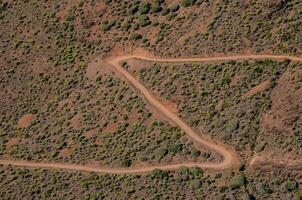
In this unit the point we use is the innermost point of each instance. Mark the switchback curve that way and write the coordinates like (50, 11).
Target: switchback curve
(229, 157)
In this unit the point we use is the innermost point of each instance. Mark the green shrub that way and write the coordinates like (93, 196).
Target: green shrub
(195, 184)
(196, 172)
(155, 23)
(241, 167)
(144, 7)
(126, 163)
(175, 148)
(263, 188)
(126, 26)
(101, 13)
(162, 152)
(160, 174)
(195, 153)
(98, 78)
(206, 155)
(247, 196)
(70, 18)
(231, 127)
(291, 185)
(117, 24)
(298, 196)
(259, 147)
(218, 123)
(237, 181)
(132, 10)
(156, 7)
(136, 36)
(171, 16)
(144, 20)
(174, 7)
(187, 3)
(2, 133)
(135, 26)
(107, 1)
(166, 11)
(107, 26)
(3, 6)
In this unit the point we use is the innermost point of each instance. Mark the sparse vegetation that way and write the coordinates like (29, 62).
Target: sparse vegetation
(210, 96)
(17, 183)
(45, 49)
(101, 114)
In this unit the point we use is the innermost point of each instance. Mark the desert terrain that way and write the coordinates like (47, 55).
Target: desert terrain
(159, 99)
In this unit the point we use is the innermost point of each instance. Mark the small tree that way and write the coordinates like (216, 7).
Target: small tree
(291, 185)
(156, 7)
(237, 181)
(144, 7)
(132, 10)
(187, 3)
(175, 148)
(144, 20)
(136, 36)
(126, 163)
(195, 153)
(157, 173)
(174, 7)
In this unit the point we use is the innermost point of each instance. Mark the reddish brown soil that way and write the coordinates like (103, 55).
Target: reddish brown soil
(110, 128)
(68, 5)
(270, 123)
(94, 33)
(219, 105)
(269, 161)
(75, 122)
(26, 120)
(39, 65)
(235, 80)
(12, 142)
(230, 159)
(170, 2)
(156, 117)
(93, 163)
(133, 117)
(100, 5)
(170, 106)
(90, 133)
(95, 67)
(65, 152)
(286, 105)
(136, 64)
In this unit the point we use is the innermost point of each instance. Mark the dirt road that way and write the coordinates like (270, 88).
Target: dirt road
(229, 157)
(131, 170)
(208, 59)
